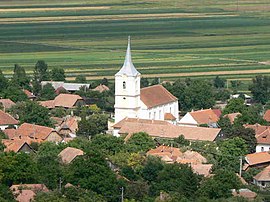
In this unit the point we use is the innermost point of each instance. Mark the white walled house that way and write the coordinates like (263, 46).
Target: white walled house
(263, 141)
(7, 120)
(196, 118)
(153, 102)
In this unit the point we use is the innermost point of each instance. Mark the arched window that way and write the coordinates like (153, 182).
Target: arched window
(124, 85)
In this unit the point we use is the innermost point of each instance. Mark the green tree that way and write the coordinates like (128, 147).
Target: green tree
(177, 178)
(32, 112)
(20, 77)
(15, 93)
(47, 92)
(6, 194)
(80, 79)
(93, 125)
(260, 89)
(144, 82)
(155, 81)
(230, 152)
(219, 82)
(17, 168)
(198, 95)
(48, 164)
(152, 168)
(58, 74)
(40, 71)
(91, 171)
(3, 81)
(235, 105)
(140, 142)
(222, 94)
(220, 185)
(108, 144)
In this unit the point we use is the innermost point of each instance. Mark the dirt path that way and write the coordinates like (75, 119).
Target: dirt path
(54, 9)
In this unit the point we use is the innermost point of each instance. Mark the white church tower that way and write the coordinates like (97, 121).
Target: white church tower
(127, 89)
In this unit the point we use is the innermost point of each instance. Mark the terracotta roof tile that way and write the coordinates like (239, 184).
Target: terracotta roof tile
(245, 193)
(264, 137)
(71, 123)
(29, 94)
(34, 131)
(264, 175)
(258, 158)
(257, 127)
(169, 117)
(168, 154)
(218, 112)
(204, 116)
(14, 145)
(101, 88)
(232, 116)
(266, 115)
(25, 196)
(202, 169)
(7, 119)
(195, 157)
(68, 154)
(156, 95)
(7, 103)
(10, 133)
(62, 100)
(34, 187)
(167, 130)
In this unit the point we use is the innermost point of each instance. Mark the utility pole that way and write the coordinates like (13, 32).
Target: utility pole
(240, 169)
(60, 184)
(122, 194)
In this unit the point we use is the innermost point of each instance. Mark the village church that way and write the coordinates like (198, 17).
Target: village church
(153, 102)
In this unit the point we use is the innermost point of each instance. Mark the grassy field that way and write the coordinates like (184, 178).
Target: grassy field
(170, 39)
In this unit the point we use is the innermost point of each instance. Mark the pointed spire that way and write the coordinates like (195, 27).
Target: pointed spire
(128, 67)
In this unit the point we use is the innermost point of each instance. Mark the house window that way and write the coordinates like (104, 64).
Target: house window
(154, 115)
(124, 85)
(262, 149)
(263, 184)
(124, 98)
(149, 115)
(170, 110)
(159, 114)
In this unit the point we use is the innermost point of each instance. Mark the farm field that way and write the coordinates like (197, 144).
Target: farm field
(170, 39)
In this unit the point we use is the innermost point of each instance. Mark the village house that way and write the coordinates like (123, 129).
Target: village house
(29, 95)
(6, 104)
(174, 155)
(262, 179)
(163, 129)
(232, 116)
(262, 134)
(68, 154)
(266, 115)
(69, 87)
(101, 88)
(147, 103)
(257, 160)
(67, 101)
(36, 133)
(69, 126)
(27, 192)
(17, 145)
(245, 193)
(208, 117)
(7, 120)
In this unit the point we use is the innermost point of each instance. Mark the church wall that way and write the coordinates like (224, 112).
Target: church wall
(157, 113)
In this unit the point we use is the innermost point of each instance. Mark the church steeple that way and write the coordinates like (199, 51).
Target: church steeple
(128, 67)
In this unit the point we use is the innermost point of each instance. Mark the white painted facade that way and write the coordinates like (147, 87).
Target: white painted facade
(3, 127)
(127, 96)
(188, 120)
(262, 147)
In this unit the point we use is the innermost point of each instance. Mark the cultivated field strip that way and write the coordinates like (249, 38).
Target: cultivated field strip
(169, 40)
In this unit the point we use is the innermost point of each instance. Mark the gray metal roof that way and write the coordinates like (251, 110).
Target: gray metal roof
(128, 67)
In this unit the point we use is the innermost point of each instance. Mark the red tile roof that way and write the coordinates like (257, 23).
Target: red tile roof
(170, 131)
(169, 117)
(218, 112)
(29, 94)
(71, 123)
(7, 103)
(204, 116)
(14, 145)
(101, 88)
(62, 100)
(266, 115)
(264, 137)
(156, 95)
(68, 154)
(245, 193)
(258, 158)
(202, 169)
(167, 153)
(193, 157)
(7, 119)
(232, 116)
(37, 132)
(264, 175)
(257, 127)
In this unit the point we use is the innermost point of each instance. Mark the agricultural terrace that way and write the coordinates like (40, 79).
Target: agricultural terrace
(170, 39)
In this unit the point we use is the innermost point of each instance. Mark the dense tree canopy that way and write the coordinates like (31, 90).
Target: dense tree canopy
(260, 89)
(58, 74)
